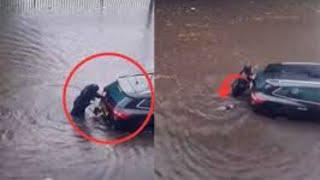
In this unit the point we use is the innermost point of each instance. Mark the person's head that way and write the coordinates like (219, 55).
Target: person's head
(90, 89)
(247, 68)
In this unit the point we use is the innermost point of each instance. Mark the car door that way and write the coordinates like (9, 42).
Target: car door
(310, 97)
(143, 107)
(289, 101)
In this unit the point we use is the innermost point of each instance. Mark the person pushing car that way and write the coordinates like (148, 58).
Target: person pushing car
(89, 93)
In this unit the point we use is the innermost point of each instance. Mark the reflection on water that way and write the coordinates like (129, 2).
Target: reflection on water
(198, 44)
(36, 53)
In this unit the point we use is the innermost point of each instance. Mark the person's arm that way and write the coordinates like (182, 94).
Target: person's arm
(99, 96)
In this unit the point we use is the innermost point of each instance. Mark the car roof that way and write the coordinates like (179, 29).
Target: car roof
(300, 63)
(295, 71)
(293, 83)
(135, 85)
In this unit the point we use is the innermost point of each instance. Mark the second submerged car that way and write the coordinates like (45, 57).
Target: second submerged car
(290, 88)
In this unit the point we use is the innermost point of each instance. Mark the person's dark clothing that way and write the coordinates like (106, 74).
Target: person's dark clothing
(83, 100)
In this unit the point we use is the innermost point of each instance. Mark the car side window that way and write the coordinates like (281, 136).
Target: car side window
(284, 91)
(310, 94)
(295, 92)
(306, 94)
(132, 104)
(291, 92)
(144, 104)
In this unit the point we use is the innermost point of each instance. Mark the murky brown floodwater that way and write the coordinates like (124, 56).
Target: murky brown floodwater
(36, 53)
(197, 44)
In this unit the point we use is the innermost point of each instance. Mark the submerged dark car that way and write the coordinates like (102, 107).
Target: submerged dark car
(290, 89)
(126, 102)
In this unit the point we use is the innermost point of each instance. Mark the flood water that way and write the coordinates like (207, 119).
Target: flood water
(197, 44)
(38, 48)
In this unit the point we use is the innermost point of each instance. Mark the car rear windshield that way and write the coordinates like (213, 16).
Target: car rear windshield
(114, 93)
(259, 81)
(302, 93)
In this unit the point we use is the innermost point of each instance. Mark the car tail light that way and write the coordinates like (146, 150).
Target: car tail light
(120, 115)
(257, 99)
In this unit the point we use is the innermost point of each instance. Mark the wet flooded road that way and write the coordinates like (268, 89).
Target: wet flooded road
(198, 44)
(37, 52)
